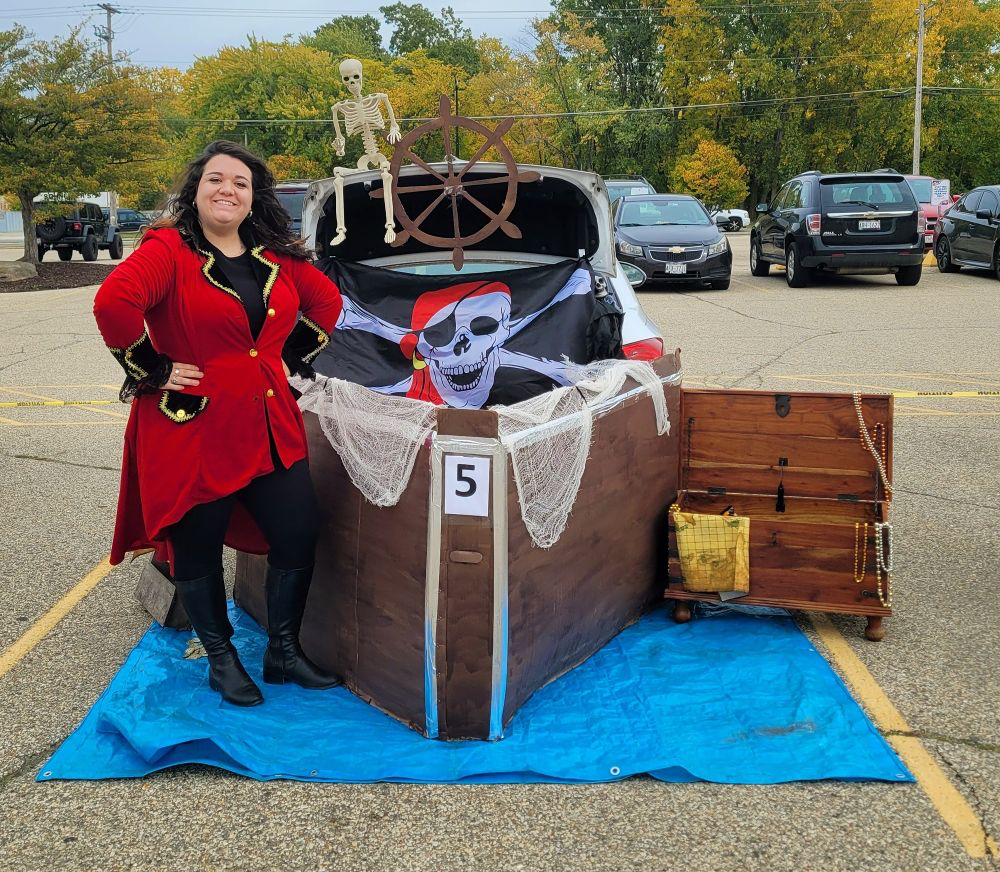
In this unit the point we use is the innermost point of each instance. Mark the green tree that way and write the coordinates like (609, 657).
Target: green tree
(245, 93)
(713, 174)
(444, 38)
(71, 124)
(348, 36)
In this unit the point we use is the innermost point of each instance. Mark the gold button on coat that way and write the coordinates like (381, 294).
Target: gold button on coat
(253, 352)
(270, 313)
(270, 392)
(181, 413)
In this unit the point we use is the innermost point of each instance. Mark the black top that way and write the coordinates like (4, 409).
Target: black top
(243, 279)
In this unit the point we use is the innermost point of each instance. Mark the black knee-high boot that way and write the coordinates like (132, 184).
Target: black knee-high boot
(204, 600)
(284, 660)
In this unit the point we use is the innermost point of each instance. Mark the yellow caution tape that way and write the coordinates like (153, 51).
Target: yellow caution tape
(22, 403)
(956, 394)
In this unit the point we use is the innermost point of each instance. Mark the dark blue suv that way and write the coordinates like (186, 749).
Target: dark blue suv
(840, 223)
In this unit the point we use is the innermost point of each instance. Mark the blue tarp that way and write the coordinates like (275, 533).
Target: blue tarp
(730, 698)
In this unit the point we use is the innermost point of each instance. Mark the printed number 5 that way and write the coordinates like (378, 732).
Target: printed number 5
(464, 478)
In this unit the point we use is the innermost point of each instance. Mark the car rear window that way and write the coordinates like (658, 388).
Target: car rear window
(651, 213)
(922, 190)
(867, 192)
(292, 203)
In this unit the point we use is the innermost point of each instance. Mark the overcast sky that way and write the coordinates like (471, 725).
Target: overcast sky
(175, 33)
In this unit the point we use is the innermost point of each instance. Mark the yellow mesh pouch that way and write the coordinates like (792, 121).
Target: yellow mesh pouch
(714, 551)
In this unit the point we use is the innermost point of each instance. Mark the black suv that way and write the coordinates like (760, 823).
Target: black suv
(840, 223)
(77, 227)
(969, 232)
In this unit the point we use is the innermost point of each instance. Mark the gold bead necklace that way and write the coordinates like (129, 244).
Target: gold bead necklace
(863, 550)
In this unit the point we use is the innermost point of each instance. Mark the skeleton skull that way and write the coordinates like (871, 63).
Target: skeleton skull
(350, 73)
(461, 344)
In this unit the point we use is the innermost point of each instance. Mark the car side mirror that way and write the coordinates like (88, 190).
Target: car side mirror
(721, 220)
(984, 214)
(762, 207)
(635, 276)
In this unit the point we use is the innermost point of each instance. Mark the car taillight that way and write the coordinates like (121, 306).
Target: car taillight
(644, 349)
(812, 224)
(77, 225)
(921, 223)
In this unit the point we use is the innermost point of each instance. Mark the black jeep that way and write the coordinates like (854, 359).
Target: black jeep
(77, 227)
(855, 223)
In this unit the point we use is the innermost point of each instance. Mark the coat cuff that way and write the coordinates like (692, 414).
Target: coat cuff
(303, 345)
(145, 368)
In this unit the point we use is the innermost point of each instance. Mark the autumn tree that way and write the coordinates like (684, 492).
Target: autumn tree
(70, 124)
(713, 174)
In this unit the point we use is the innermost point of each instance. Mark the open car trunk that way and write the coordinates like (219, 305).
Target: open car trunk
(563, 215)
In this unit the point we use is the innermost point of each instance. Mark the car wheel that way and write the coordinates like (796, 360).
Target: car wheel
(65, 253)
(996, 262)
(797, 276)
(943, 255)
(737, 225)
(41, 252)
(758, 266)
(89, 248)
(720, 285)
(909, 275)
(117, 247)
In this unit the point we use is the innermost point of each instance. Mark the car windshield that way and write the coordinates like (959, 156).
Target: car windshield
(874, 193)
(922, 190)
(650, 213)
(291, 201)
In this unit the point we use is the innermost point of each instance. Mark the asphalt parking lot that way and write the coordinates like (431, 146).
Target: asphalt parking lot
(938, 666)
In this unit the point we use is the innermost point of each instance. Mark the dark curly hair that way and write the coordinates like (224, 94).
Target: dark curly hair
(268, 226)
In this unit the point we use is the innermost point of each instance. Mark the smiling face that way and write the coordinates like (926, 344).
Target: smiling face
(225, 194)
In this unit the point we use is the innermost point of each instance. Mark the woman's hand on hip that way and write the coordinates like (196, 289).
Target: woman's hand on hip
(284, 366)
(183, 375)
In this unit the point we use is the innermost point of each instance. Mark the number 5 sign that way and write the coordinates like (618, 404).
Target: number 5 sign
(466, 485)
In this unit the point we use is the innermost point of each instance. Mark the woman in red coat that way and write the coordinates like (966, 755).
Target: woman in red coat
(208, 317)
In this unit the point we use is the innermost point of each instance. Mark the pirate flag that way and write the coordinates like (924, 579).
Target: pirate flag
(468, 341)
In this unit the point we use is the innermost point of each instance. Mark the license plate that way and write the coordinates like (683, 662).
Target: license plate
(869, 225)
(675, 269)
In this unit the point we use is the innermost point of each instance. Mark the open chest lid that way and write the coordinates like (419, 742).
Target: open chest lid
(750, 442)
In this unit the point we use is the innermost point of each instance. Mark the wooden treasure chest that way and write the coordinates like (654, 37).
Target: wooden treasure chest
(450, 618)
(805, 469)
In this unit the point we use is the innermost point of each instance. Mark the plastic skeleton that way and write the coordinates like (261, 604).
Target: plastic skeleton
(461, 343)
(363, 113)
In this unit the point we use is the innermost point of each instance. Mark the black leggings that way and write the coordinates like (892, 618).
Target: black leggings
(282, 503)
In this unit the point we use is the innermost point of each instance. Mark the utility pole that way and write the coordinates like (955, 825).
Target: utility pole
(107, 34)
(919, 95)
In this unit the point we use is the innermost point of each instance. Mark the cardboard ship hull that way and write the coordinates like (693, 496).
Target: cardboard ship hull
(451, 622)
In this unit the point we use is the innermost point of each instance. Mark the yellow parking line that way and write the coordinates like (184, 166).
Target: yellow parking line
(949, 802)
(19, 393)
(44, 625)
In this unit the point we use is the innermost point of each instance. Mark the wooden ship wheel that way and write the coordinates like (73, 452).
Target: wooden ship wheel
(454, 187)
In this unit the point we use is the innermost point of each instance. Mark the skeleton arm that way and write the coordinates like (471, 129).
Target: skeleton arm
(392, 137)
(338, 141)
(579, 283)
(353, 317)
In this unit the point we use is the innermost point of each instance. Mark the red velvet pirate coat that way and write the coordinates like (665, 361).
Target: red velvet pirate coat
(167, 302)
